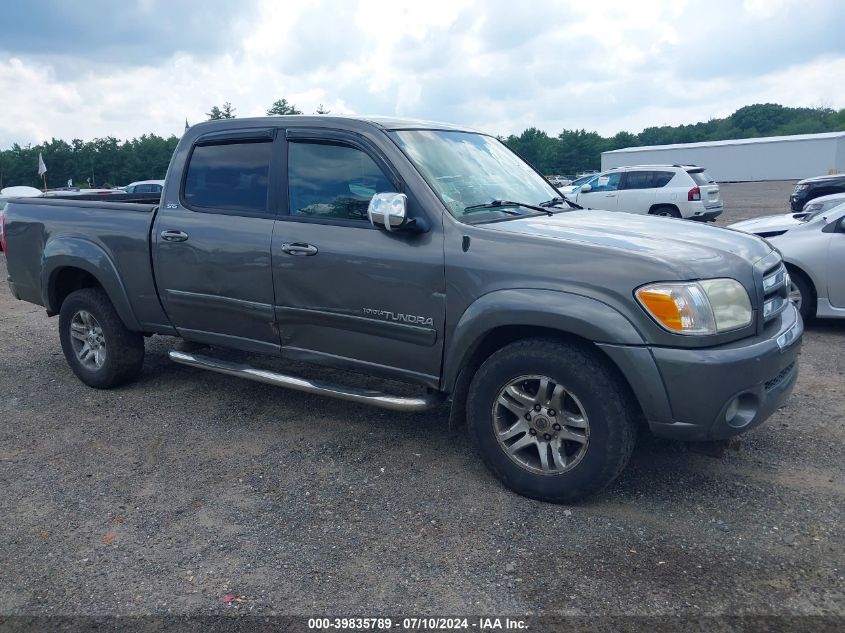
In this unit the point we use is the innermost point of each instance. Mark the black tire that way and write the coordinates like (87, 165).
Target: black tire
(808, 294)
(665, 210)
(604, 397)
(124, 350)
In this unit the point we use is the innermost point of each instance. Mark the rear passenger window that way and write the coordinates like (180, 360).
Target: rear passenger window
(638, 180)
(229, 177)
(662, 178)
(327, 180)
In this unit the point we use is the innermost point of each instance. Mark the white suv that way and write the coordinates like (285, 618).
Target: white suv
(680, 191)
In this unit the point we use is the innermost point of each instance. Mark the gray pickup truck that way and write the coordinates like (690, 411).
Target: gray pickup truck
(431, 255)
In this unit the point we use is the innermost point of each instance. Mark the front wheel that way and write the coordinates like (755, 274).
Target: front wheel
(801, 295)
(100, 350)
(551, 420)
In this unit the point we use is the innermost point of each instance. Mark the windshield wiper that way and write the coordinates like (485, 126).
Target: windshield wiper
(501, 204)
(556, 201)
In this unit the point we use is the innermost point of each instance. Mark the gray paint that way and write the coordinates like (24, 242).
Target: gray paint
(231, 284)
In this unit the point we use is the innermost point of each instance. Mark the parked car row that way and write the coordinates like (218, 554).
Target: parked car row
(812, 188)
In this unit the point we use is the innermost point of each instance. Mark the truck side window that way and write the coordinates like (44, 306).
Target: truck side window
(229, 177)
(329, 180)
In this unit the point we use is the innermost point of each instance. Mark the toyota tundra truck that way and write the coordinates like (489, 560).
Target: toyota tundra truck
(432, 255)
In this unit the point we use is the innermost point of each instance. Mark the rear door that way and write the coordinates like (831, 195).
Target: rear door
(603, 193)
(636, 192)
(212, 248)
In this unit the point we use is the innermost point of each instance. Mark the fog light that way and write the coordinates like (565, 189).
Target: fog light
(741, 410)
(732, 410)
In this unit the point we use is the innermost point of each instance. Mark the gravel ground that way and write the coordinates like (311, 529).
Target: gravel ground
(166, 495)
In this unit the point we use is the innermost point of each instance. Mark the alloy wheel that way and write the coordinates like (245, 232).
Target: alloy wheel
(88, 340)
(540, 425)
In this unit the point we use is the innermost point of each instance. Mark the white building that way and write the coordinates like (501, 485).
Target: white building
(767, 158)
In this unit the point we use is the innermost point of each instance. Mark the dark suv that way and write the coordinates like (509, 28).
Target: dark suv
(810, 188)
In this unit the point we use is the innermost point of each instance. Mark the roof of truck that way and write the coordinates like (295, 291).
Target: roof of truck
(351, 121)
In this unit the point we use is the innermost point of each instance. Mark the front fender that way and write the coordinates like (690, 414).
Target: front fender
(582, 316)
(70, 251)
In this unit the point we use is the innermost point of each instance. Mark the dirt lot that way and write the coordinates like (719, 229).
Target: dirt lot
(166, 495)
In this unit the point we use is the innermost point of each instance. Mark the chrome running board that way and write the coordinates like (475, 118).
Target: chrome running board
(352, 394)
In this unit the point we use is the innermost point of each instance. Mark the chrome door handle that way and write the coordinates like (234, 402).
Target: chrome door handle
(611, 195)
(174, 235)
(298, 248)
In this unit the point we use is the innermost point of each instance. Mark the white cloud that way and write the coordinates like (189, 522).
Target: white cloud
(497, 65)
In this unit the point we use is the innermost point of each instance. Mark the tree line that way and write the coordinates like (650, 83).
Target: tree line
(573, 151)
(111, 161)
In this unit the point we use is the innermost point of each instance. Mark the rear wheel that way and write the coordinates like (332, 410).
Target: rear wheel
(97, 346)
(551, 420)
(666, 211)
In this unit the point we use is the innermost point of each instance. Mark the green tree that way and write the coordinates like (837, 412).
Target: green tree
(321, 110)
(226, 112)
(281, 107)
(103, 160)
(622, 139)
(536, 147)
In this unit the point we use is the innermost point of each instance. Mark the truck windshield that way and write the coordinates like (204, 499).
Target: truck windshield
(467, 170)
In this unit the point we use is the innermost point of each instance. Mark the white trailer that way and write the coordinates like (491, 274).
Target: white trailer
(737, 160)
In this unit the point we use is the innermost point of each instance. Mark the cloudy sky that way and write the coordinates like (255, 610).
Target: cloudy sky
(99, 67)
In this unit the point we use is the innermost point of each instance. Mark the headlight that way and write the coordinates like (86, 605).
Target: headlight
(709, 306)
(801, 187)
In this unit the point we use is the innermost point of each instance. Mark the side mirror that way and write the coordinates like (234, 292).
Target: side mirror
(586, 188)
(388, 211)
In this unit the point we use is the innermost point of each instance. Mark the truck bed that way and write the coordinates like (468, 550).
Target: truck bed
(111, 237)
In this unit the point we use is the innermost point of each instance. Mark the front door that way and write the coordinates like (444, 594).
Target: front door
(602, 194)
(347, 293)
(836, 266)
(212, 250)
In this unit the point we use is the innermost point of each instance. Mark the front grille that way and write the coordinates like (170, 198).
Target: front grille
(784, 373)
(775, 291)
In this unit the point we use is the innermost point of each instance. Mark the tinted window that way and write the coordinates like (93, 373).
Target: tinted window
(661, 178)
(231, 177)
(638, 180)
(332, 181)
(701, 178)
(647, 179)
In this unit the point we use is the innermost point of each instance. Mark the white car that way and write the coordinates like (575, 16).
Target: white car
(567, 190)
(679, 191)
(145, 186)
(823, 203)
(813, 248)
